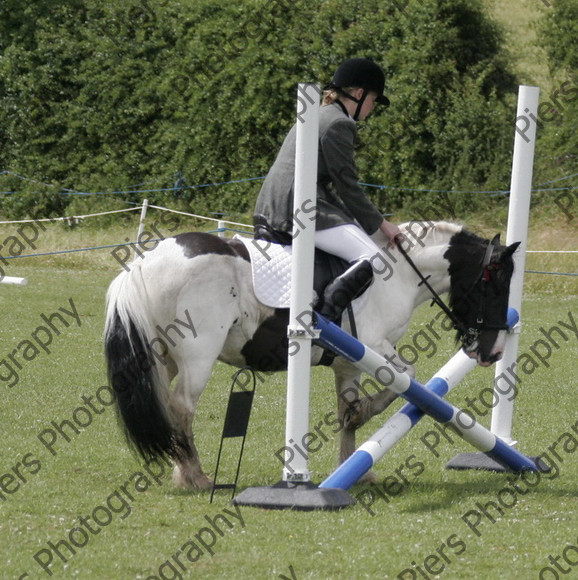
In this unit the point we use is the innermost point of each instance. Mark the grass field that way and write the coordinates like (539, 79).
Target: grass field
(67, 477)
(56, 475)
(519, 20)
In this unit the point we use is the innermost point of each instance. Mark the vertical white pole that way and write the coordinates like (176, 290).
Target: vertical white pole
(518, 218)
(221, 227)
(300, 312)
(143, 215)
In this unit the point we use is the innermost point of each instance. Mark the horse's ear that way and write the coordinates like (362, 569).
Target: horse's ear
(510, 249)
(496, 240)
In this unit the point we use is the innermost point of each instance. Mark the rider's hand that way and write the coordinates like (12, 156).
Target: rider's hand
(391, 231)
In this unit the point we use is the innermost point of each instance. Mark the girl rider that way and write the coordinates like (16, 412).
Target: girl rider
(345, 216)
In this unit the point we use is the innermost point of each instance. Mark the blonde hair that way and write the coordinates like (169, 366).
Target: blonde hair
(332, 95)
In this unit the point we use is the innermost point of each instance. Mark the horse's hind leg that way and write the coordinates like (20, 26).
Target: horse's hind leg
(188, 472)
(195, 365)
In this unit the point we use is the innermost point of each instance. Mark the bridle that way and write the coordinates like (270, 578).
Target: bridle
(468, 334)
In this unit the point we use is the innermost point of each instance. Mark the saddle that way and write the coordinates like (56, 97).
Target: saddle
(335, 282)
(271, 271)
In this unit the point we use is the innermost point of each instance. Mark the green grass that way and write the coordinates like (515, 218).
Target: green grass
(422, 518)
(426, 516)
(519, 20)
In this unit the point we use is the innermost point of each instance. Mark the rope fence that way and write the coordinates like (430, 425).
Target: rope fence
(199, 216)
(70, 218)
(179, 185)
(221, 230)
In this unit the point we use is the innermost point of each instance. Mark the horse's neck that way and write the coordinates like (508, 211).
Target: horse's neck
(434, 267)
(427, 254)
(386, 310)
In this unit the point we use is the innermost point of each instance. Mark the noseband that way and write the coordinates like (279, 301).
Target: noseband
(469, 334)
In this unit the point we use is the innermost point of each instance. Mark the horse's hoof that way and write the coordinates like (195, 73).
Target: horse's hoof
(191, 483)
(369, 477)
(352, 418)
(203, 482)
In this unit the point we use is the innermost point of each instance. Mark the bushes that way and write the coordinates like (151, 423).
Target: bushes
(97, 96)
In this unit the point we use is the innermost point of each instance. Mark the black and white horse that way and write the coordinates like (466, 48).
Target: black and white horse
(190, 301)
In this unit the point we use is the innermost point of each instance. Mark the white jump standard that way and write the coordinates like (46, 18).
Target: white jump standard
(295, 490)
(427, 401)
(517, 229)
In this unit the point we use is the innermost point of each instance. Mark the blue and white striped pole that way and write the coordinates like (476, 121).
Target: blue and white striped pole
(403, 421)
(422, 400)
(399, 425)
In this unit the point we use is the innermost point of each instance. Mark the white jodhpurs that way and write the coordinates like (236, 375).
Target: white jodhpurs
(348, 242)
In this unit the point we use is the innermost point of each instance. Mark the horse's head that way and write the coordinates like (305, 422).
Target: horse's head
(480, 272)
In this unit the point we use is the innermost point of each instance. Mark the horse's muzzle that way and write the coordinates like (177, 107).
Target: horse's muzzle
(486, 361)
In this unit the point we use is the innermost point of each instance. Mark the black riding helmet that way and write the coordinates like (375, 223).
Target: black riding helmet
(362, 73)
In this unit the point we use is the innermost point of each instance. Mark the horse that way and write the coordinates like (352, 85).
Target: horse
(190, 301)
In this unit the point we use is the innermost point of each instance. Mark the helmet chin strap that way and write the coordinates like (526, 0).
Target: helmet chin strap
(359, 105)
(358, 101)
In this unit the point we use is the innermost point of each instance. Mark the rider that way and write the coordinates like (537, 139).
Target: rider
(345, 216)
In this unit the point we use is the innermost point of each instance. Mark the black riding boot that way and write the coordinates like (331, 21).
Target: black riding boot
(345, 288)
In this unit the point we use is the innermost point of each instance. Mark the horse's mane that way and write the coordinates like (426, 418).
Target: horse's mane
(440, 226)
(466, 254)
(429, 231)
(465, 251)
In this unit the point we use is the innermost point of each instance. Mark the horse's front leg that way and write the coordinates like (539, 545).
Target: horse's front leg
(373, 397)
(346, 385)
(347, 382)
(353, 410)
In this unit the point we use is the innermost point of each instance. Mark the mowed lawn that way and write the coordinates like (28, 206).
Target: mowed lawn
(74, 502)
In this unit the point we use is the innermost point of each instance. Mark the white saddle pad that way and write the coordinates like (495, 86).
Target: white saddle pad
(271, 266)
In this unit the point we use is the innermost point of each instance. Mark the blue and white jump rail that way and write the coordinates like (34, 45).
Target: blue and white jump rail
(422, 400)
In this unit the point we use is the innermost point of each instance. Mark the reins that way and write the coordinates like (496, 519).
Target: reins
(468, 335)
(436, 299)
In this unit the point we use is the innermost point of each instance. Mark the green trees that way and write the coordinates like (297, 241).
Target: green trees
(97, 96)
(558, 113)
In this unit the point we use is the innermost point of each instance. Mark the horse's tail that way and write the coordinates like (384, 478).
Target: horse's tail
(140, 386)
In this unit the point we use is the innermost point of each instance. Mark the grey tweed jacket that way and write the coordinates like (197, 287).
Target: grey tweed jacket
(340, 199)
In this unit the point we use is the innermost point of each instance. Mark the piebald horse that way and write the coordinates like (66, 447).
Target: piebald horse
(190, 302)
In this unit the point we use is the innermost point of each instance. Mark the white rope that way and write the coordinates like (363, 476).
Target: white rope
(201, 216)
(138, 208)
(71, 217)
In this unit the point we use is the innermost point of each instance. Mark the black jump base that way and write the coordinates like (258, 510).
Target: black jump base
(305, 496)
